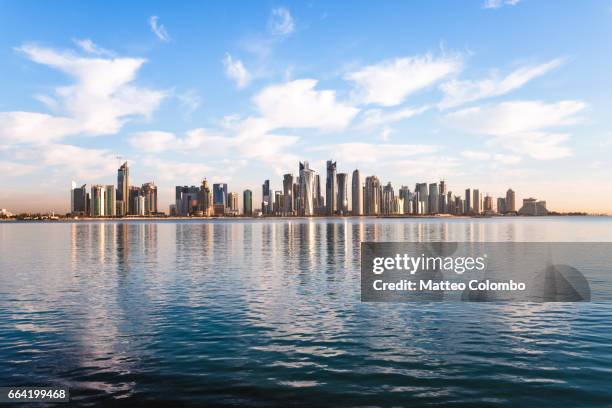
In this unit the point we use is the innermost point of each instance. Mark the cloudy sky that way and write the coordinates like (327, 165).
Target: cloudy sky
(485, 94)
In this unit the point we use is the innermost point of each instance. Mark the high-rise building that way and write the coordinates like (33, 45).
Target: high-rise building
(139, 205)
(266, 198)
(342, 184)
(98, 200)
(133, 194)
(187, 200)
(388, 198)
(477, 201)
(510, 201)
(149, 192)
(422, 198)
(110, 209)
(501, 205)
(319, 201)
(78, 200)
(372, 196)
(406, 197)
(123, 185)
(331, 188)
(232, 199)
(531, 206)
(288, 200)
(357, 194)
(206, 199)
(487, 205)
(247, 203)
(434, 199)
(220, 195)
(468, 206)
(306, 189)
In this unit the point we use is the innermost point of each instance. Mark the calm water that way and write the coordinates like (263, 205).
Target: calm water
(268, 314)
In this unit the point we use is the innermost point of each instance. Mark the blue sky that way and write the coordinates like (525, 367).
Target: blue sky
(486, 94)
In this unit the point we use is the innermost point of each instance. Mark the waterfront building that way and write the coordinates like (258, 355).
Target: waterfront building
(477, 201)
(133, 194)
(501, 205)
(220, 195)
(232, 199)
(139, 205)
(388, 197)
(406, 196)
(123, 185)
(331, 188)
(422, 197)
(98, 200)
(372, 196)
(342, 183)
(469, 207)
(307, 180)
(318, 200)
(288, 200)
(487, 205)
(149, 192)
(510, 201)
(187, 200)
(247, 203)
(206, 201)
(265, 197)
(110, 209)
(357, 194)
(434, 199)
(78, 200)
(531, 206)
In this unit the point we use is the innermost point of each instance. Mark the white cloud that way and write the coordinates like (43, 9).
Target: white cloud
(280, 22)
(523, 126)
(235, 70)
(100, 101)
(189, 101)
(297, 104)
(493, 158)
(78, 162)
(90, 47)
(14, 169)
(459, 92)
(158, 29)
(376, 117)
(386, 132)
(389, 82)
(514, 117)
(495, 4)
(373, 153)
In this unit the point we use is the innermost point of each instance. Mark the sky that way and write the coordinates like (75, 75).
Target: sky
(487, 94)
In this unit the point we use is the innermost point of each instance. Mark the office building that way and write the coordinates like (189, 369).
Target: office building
(206, 201)
(422, 198)
(476, 201)
(307, 180)
(149, 192)
(123, 185)
(78, 200)
(388, 198)
(342, 200)
(434, 199)
(331, 188)
(132, 204)
(510, 201)
(232, 199)
(247, 203)
(487, 205)
(98, 200)
(468, 208)
(357, 194)
(110, 209)
(531, 206)
(288, 200)
(501, 205)
(372, 196)
(266, 198)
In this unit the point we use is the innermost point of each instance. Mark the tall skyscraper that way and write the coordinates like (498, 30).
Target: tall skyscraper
(501, 205)
(477, 201)
(78, 200)
(98, 200)
(220, 194)
(266, 197)
(388, 197)
(149, 192)
(422, 198)
(468, 206)
(232, 199)
(319, 201)
(434, 199)
(331, 188)
(247, 203)
(342, 183)
(123, 185)
(206, 199)
(288, 194)
(406, 197)
(487, 205)
(110, 209)
(510, 201)
(306, 189)
(372, 197)
(357, 194)
(133, 194)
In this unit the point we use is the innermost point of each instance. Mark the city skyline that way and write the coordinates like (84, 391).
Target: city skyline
(239, 93)
(299, 196)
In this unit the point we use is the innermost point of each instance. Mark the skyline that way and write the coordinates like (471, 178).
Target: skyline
(238, 94)
(303, 195)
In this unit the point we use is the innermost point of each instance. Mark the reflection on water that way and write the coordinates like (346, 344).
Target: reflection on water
(268, 313)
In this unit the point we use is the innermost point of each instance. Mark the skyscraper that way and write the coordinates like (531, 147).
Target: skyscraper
(266, 197)
(98, 200)
(510, 201)
(422, 198)
(319, 201)
(406, 197)
(306, 189)
(110, 209)
(342, 179)
(357, 194)
(487, 205)
(123, 185)
(149, 192)
(434, 199)
(78, 200)
(372, 196)
(468, 206)
(331, 188)
(247, 203)
(388, 197)
(133, 194)
(288, 194)
(477, 201)
(232, 199)
(220, 198)
(501, 205)
(206, 199)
